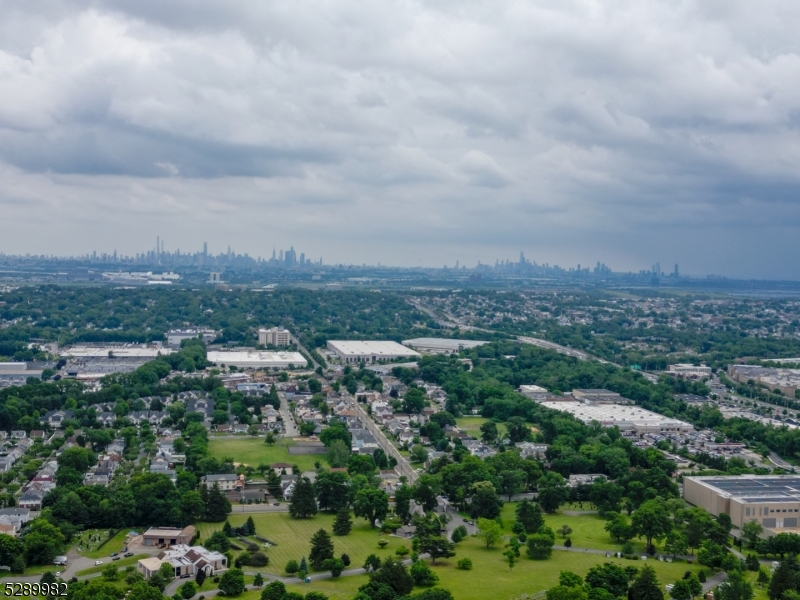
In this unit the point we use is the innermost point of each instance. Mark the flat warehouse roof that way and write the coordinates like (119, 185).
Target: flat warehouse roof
(364, 348)
(116, 351)
(257, 359)
(755, 488)
(442, 343)
(616, 413)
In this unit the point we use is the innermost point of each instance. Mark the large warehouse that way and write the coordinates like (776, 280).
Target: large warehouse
(250, 359)
(626, 417)
(351, 351)
(442, 345)
(772, 500)
(115, 351)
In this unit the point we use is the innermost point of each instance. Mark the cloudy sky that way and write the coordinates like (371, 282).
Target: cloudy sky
(407, 132)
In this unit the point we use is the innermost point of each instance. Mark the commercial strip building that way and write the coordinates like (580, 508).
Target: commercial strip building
(252, 359)
(690, 371)
(785, 380)
(442, 345)
(274, 336)
(534, 392)
(369, 352)
(772, 500)
(626, 417)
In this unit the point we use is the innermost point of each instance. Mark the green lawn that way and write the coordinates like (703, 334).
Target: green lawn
(90, 549)
(491, 578)
(472, 426)
(343, 588)
(121, 564)
(253, 451)
(587, 530)
(292, 538)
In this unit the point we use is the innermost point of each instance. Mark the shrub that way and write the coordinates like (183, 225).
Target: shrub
(568, 543)
(402, 551)
(464, 564)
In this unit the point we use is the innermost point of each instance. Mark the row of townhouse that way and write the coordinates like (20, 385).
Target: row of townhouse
(12, 451)
(13, 519)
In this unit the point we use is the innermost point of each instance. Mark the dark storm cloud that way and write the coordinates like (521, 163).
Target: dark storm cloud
(407, 132)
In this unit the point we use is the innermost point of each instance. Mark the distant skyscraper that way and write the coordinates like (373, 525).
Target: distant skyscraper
(205, 249)
(676, 270)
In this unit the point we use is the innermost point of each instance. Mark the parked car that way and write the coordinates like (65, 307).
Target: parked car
(113, 554)
(128, 554)
(58, 573)
(116, 558)
(97, 563)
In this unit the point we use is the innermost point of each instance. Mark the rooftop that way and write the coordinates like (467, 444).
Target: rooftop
(756, 488)
(442, 343)
(370, 347)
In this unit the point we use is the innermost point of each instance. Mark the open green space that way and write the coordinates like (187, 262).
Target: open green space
(491, 578)
(253, 451)
(121, 564)
(587, 530)
(343, 588)
(293, 536)
(472, 426)
(90, 548)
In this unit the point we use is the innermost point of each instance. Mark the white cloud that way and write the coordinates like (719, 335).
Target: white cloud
(470, 129)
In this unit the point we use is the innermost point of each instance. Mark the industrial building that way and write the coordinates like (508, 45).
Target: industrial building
(599, 396)
(252, 359)
(691, 371)
(116, 351)
(772, 500)
(626, 417)
(176, 336)
(441, 345)
(534, 392)
(275, 336)
(369, 352)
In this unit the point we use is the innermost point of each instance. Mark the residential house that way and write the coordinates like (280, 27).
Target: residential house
(225, 481)
(54, 418)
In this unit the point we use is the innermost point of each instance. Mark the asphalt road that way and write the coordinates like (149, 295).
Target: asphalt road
(403, 466)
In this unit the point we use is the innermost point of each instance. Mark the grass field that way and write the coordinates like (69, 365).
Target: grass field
(120, 564)
(292, 537)
(336, 589)
(472, 426)
(253, 451)
(491, 578)
(587, 530)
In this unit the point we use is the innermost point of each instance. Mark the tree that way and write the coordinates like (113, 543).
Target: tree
(188, 589)
(332, 491)
(517, 430)
(608, 576)
(303, 503)
(751, 532)
(218, 506)
(42, 543)
(373, 563)
(200, 578)
(361, 464)
(564, 531)
(490, 531)
(675, 544)
(681, 590)
(321, 548)
(395, 575)
(561, 592)
(645, 586)
(735, 588)
(292, 567)
(529, 514)
(275, 590)
(371, 504)
(218, 541)
(10, 547)
(338, 454)
(343, 523)
(110, 572)
(553, 491)
(511, 558)
(274, 484)
(426, 491)
(651, 521)
(422, 574)
(232, 582)
(618, 527)
(414, 401)
(418, 454)
(784, 579)
(402, 502)
(485, 501)
(142, 591)
(436, 546)
(489, 432)
(251, 525)
(334, 565)
(540, 545)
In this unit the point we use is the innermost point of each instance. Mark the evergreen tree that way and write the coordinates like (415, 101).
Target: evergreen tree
(204, 496)
(251, 526)
(227, 529)
(303, 503)
(529, 514)
(274, 484)
(402, 502)
(784, 579)
(343, 523)
(304, 565)
(321, 548)
(646, 586)
(218, 505)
